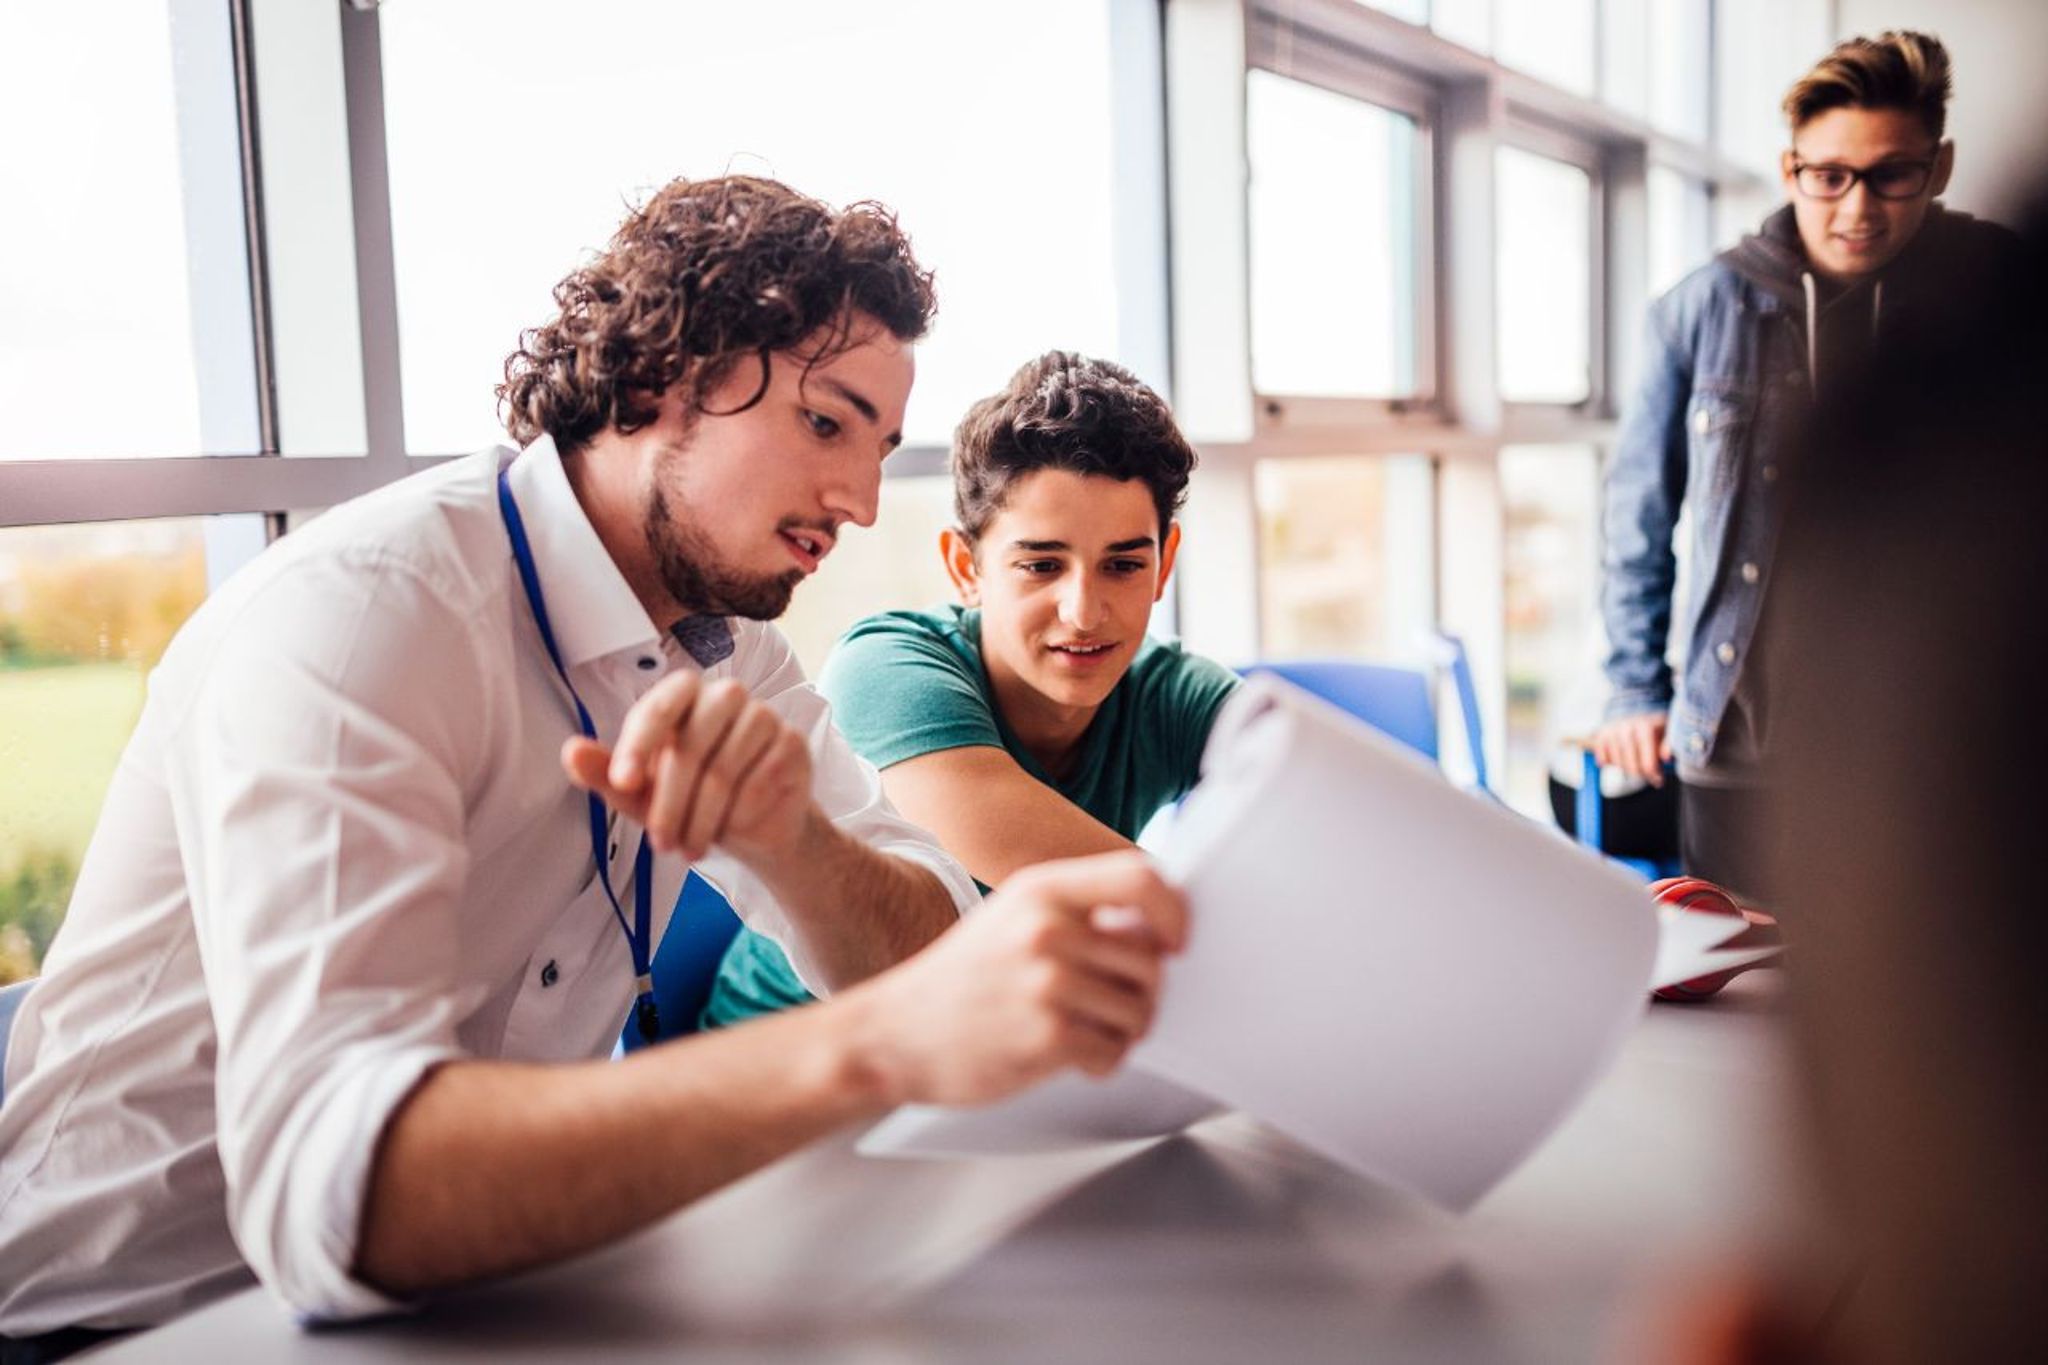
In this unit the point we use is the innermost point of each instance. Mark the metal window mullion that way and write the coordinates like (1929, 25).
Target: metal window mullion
(254, 225)
(376, 271)
(47, 492)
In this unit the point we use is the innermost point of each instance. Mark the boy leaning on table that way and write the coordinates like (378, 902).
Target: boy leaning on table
(1034, 718)
(334, 1000)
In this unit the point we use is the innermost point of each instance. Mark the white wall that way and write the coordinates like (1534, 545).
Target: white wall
(2000, 109)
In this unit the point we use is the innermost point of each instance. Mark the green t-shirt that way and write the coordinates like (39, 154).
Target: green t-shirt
(906, 683)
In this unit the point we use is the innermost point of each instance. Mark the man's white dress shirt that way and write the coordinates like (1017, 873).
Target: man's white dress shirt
(340, 850)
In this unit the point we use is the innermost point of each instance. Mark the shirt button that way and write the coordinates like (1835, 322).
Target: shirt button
(550, 974)
(1697, 743)
(1725, 652)
(1770, 473)
(1701, 420)
(1750, 573)
(648, 663)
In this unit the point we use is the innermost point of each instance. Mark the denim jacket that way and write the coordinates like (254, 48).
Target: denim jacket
(1729, 374)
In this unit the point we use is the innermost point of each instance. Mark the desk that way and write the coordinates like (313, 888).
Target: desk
(1231, 1243)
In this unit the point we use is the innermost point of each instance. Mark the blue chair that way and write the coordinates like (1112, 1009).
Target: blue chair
(10, 1003)
(1397, 702)
(1394, 701)
(1588, 814)
(686, 961)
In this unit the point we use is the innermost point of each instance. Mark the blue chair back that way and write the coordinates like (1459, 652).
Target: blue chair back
(1394, 701)
(687, 959)
(10, 1003)
(1468, 706)
(1589, 813)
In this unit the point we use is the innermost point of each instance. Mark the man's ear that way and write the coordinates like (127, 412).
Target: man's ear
(957, 552)
(1944, 167)
(1788, 160)
(1168, 549)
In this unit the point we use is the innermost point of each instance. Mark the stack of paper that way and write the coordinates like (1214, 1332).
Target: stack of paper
(1405, 976)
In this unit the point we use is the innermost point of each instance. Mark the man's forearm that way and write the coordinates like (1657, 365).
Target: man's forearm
(860, 910)
(494, 1167)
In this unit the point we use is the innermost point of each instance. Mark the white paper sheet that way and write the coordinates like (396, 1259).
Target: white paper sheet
(1067, 1111)
(1689, 946)
(1407, 977)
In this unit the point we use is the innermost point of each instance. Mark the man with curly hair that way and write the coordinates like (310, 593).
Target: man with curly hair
(1035, 718)
(350, 947)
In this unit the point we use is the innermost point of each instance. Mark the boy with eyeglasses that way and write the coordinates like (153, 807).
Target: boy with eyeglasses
(1737, 352)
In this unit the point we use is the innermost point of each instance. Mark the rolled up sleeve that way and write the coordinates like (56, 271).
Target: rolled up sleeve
(314, 785)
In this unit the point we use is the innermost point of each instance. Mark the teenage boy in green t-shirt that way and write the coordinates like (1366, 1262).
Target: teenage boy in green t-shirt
(1035, 719)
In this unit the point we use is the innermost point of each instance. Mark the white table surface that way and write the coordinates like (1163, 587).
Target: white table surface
(1231, 1243)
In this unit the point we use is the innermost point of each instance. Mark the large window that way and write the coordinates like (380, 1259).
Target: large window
(894, 563)
(1544, 254)
(123, 269)
(85, 611)
(1404, 236)
(519, 130)
(1551, 496)
(1680, 213)
(1346, 554)
(1333, 253)
(1553, 41)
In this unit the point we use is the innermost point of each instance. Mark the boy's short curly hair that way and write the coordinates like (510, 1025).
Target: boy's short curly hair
(703, 275)
(1071, 412)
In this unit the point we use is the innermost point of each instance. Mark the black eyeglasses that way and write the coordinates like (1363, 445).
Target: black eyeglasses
(1887, 179)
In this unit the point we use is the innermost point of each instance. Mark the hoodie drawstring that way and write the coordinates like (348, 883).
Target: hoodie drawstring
(1812, 331)
(1876, 307)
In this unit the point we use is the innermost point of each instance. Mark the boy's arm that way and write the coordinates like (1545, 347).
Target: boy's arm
(1642, 491)
(991, 814)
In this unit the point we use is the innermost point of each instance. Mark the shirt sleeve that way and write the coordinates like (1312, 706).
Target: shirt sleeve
(846, 787)
(901, 691)
(312, 778)
(1184, 692)
(1642, 491)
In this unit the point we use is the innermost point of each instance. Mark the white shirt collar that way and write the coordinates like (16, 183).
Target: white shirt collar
(592, 608)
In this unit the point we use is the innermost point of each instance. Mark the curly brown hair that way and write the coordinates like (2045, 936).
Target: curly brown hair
(703, 275)
(1067, 411)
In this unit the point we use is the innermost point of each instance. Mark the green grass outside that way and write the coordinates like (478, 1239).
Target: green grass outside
(62, 729)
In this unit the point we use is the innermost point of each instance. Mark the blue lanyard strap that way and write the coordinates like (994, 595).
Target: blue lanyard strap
(639, 935)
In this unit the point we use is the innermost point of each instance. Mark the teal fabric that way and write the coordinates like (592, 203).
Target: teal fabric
(907, 683)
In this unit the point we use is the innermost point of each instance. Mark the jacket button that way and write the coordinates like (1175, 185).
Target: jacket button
(550, 974)
(1701, 420)
(1750, 573)
(1725, 652)
(1770, 473)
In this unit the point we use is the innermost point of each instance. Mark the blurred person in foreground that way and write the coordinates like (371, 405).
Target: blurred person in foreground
(1909, 650)
(1859, 256)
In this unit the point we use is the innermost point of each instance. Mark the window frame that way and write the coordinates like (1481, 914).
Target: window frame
(1361, 77)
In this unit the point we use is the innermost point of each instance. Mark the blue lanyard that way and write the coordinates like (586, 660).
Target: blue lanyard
(639, 934)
